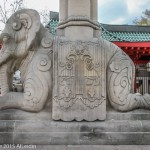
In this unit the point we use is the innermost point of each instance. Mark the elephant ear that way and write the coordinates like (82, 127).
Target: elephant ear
(29, 20)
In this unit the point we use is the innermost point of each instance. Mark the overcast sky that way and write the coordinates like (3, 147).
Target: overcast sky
(121, 11)
(110, 11)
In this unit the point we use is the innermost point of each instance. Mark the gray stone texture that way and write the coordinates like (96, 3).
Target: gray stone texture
(39, 131)
(27, 46)
(86, 147)
(74, 76)
(79, 91)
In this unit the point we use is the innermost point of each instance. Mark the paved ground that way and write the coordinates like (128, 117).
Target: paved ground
(97, 147)
(81, 147)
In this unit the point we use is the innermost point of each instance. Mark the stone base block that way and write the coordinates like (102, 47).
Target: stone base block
(32, 129)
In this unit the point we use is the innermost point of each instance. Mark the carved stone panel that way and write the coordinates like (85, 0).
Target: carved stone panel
(79, 91)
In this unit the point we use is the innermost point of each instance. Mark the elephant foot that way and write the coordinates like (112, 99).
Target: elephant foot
(8, 101)
(146, 98)
(139, 101)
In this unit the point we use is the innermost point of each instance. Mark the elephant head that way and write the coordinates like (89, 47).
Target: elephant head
(19, 35)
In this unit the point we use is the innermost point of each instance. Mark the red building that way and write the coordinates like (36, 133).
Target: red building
(135, 41)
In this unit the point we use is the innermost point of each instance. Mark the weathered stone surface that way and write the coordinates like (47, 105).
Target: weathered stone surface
(6, 138)
(75, 133)
(139, 114)
(49, 138)
(112, 147)
(82, 62)
(26, 47)
(14, 114)
(7, 126)
(79, 91)
(84, 147)
(52, 147)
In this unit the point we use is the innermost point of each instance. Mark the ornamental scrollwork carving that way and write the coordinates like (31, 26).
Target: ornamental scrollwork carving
(27, 47)
(79, 79)
(121, 72)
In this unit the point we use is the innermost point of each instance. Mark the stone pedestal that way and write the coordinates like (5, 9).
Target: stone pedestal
(38, 129)
(79, 91)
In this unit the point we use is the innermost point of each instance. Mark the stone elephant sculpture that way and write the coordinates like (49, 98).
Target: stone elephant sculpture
(27, 47)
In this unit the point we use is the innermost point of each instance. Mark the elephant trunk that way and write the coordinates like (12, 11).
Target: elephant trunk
(5, 55)
(4, 80)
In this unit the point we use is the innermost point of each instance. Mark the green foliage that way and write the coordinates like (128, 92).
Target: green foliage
(144, 19)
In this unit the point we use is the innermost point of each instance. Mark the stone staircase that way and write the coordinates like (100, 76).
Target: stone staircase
(131, 128)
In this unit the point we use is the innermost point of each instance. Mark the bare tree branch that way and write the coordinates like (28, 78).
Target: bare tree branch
(8, 8)
(16, 5)
(3, 12)
(144, 19)
(11, 6)
(45, 16)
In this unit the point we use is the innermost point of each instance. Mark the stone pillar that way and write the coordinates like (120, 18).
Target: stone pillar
(94, 10)
(79, 91)
(79, 8)
(63, 10)
(78, 16)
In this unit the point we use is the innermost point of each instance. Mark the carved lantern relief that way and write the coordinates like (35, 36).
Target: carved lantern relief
(79, 81)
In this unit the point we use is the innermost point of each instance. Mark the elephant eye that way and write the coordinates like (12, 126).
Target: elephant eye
(5, 39)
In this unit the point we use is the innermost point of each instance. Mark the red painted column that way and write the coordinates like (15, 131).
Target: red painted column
(135, 78)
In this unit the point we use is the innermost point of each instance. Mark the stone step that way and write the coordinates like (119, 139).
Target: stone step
(28, 126)
(63, 138)
(84, 133)
(139, 114)
(14, 114)
(18, 127)
(77, 147)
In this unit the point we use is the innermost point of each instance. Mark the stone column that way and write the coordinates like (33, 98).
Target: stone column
(79, 70)
(94, 13)
(79, 8)
(63, 10)
(78, 16)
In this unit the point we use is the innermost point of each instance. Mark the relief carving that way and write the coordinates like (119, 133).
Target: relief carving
(27, 46)
(120, 84)
(79, 68)
(79, 76)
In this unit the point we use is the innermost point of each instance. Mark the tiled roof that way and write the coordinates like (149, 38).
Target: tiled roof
(113, 33)
(129, 35)
(52, 26)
